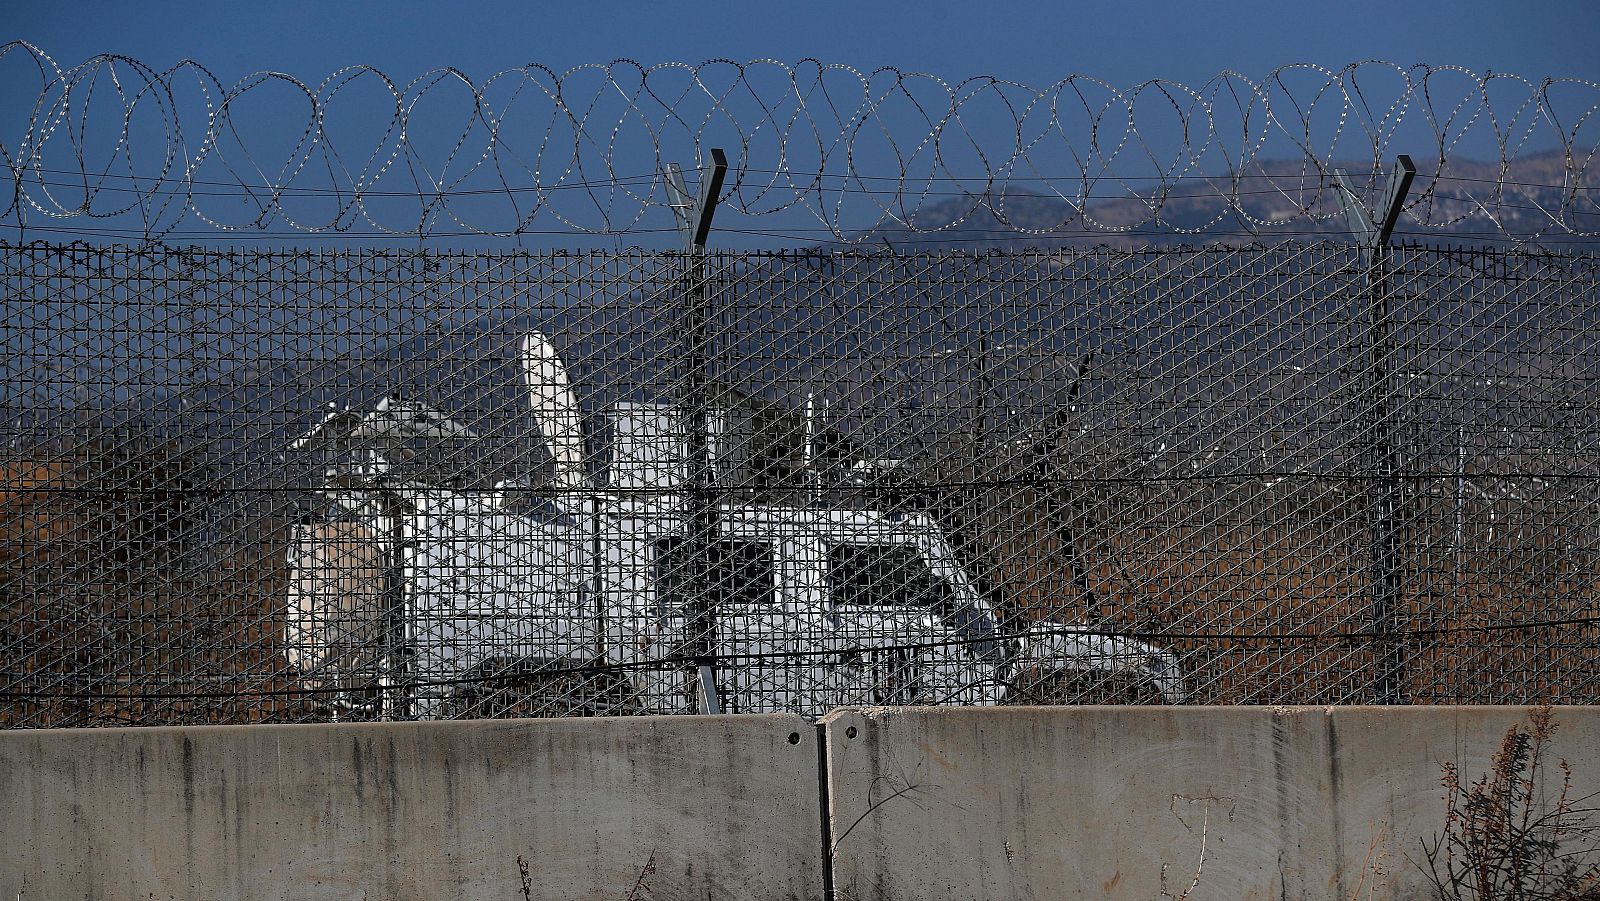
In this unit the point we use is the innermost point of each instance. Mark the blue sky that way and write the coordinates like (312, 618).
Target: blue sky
(1032, 43)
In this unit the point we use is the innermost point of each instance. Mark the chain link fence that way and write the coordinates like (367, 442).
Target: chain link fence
(246, 486)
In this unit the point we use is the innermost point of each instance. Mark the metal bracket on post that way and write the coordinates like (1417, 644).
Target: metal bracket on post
(694, 224)
(1373, 236)
(694, 215)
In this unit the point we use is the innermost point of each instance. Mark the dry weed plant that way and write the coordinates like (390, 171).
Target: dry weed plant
(1505, 838)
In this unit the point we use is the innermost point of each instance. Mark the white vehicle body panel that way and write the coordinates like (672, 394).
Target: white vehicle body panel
(482, 584)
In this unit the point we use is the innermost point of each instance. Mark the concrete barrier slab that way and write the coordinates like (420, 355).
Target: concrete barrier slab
(1193, 803)
(668, 807)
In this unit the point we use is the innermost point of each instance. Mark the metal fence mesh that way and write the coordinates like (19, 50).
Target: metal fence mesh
(248, 486)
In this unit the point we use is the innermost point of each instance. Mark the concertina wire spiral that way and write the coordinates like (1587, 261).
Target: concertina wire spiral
(114, 140)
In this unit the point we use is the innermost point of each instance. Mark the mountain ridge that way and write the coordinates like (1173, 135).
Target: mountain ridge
(1468, 188)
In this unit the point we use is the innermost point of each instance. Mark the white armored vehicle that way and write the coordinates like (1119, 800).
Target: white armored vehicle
(417, 600)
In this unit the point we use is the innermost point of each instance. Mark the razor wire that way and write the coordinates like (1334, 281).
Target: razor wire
(293, 486)
(115, 143)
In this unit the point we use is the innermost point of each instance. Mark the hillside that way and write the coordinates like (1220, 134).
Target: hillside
(1189, 214)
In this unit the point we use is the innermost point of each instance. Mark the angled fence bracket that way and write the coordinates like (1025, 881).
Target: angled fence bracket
(694, 215)
(1373, 234)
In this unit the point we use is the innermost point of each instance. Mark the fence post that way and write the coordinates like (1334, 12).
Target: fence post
(1389, 685)
(694, 224)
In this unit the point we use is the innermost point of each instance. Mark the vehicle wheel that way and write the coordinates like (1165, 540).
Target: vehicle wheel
(1084, 687)
(502, 688)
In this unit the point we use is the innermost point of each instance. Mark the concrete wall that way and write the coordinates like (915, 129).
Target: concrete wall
(1020, 803)
(706, 808)
(1221, 803)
